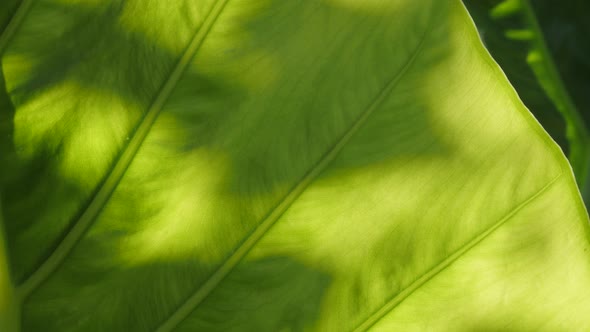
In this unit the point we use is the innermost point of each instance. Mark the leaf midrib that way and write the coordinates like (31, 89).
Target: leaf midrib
(441, 266)
(287, 201)
(128, 153)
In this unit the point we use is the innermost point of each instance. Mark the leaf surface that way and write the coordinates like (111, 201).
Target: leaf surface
(265, 165)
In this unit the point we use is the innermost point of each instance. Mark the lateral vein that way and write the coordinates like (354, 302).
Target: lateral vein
(398, 298)
(103, 194)
(15, 22)
(260, 231)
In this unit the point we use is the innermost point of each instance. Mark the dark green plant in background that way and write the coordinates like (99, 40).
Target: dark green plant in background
(273, 165)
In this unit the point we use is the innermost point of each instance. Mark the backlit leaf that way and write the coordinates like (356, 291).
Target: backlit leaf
(313, 165)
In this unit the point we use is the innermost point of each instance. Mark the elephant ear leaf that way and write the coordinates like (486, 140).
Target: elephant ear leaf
(314, 165)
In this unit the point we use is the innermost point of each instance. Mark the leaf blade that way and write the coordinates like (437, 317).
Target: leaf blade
(430, 167)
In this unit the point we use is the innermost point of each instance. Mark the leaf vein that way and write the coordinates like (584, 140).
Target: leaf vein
(128, 153)
(274, 215)
(15, 22)
(398, 298)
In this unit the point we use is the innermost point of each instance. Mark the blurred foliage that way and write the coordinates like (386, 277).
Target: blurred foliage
(566, 28)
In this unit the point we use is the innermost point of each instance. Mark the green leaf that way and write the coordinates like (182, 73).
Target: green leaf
(330, 165)
(510, 30)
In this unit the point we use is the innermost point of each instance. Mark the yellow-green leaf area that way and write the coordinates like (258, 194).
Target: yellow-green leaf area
(239, 165)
